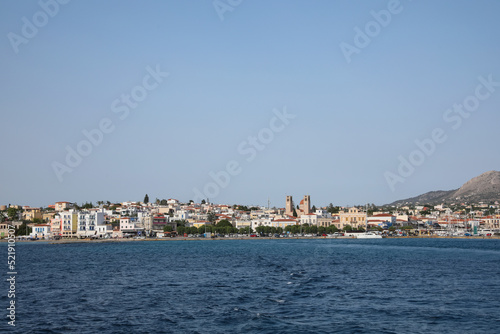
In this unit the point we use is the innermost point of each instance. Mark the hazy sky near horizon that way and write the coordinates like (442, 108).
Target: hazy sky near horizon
(358, 94)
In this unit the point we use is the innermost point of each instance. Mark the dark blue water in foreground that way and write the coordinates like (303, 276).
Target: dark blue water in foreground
(259, 286)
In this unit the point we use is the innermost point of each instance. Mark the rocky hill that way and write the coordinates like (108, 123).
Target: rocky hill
(482, 188)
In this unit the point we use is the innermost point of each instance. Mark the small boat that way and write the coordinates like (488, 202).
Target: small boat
(368, 235)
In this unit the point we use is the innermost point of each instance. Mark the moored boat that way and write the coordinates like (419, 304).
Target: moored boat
(368, 235)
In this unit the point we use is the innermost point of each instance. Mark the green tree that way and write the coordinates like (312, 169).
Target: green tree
(146, 199)
(211, 217)
(181, 222)
(292, 229)
(294, 213)
(347, 228)
(313, 208)
(37, 221)
(333, 209)
(224, 223)
(181, 230)
(87, 205)
(207, 228)
(245, 230)
(203, 201)
(167, 228)
(23, 229)
(243, 208)
(305, 228)
(12, 213)
(332, 229)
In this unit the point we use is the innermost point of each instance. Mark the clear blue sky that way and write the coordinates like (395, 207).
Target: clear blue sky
(352, 119)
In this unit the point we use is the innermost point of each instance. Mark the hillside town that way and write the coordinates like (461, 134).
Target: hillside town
(171, 218)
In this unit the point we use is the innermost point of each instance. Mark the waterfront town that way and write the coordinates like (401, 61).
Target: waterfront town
(171, 218)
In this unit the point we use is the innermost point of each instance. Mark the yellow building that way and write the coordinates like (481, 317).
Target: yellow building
(61, 206)
(201, 223)
(352, 217)
(32, 213)
(4, 230)
(48, 216)
(326, 222)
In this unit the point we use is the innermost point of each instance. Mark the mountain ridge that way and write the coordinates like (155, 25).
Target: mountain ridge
(482, 188)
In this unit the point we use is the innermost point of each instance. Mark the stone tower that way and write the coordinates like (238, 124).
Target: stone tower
(306, 206)
(289, 206)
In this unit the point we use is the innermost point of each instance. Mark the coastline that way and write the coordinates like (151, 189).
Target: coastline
(73, 241)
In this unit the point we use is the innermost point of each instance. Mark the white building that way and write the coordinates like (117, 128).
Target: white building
(311, 219)
(254, 223)
(69, 223)
(382, 220)
(129, 226)
(143, 220)
(323, 214)
(181, 215)
(56, 225)
(104, 231)
(88, 222)
(41, 231)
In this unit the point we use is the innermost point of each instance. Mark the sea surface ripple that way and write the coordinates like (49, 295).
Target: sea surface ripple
(258, 286)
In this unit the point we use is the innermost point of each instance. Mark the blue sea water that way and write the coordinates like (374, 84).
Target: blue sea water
(258, 286)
